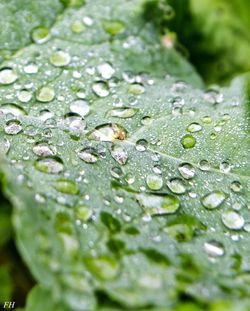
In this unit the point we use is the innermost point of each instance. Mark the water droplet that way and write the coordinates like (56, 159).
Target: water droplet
(80, 107)
(40, 34)
(103, 267)
(101, 88)
(75, 122)
(146, 120)
(43, 149)
(188, 141)
(194, 127)
(107, 132)
(124, 112)
(83, 212)
(204, 165)
(154, 182)
(106, 70)
(214, 248)
(77, 27)
(119, 154)
(214, 199)
(88, 21)
(176, 185)
(66, 186)
(31, 68)
(116, 172)
(50, 165)
(60, 59)
(225, 167)
(7, 76)
(88, 155)
(13, 127)
(207, 120)
(113, 27)
(141, 145)
(136, 89)
(247, 227)
(236, 186)
(213, 96)
(24, 96)
(186, 170)
(12, 109)
(158, 204)
(232, 220)
(4, 146)
(45, 94)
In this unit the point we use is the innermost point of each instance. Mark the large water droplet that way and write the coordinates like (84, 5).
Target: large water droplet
(225, 167)
(106, 70)
(7, 76)
(154, 182)
(194, 127)
(66, 186)
(75, 122)
(60, 59)
(13, 127)
(232, 220)
(188, 141)
(13, 109)
(101, 88)
(45, 94)
(24, 96)
(176, 185)
(113, 27)
(119, 154)
(214, 248)
(141, 145)
(43, 149)
(125, 112)
(50, 165)
(88, 155)
(80, 107)
(40, 34)
(136, 89)
(103, 267)
(30, 68)
(158, 204)
(214, 199)
(186, 170)
(107, 132)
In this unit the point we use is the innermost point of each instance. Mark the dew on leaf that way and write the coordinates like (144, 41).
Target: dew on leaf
(214, 199)
(186, 170)
(80, 107)
(194, 127)
(125, 112)
(176, 185)
(40, 34)
(13, 127)
(154, 205)
(188, 141)
(113, 27)
(232, 220)
(116, 172)
(146, 120)
(213, 96)
(45, 94)
(100, 88)
(12, 109)
(83, 212)
(225, 167)
(141, 145)
(247, 227)
(50, 165)
(88, 21)
(236, 186)
(103, 267)
(4, 146)
(136, 89)
(207, 119)
(66, 186)
(7, 76)
(119, 154)
(107, 132)
(204, 165)
(106, 70)
(30, 68)
(60, 59)
(157, 169)
(43, 149)
(75, 121)
(154, 182)
(88, 155)
(77, 26)
(214, 248)
(24, 96)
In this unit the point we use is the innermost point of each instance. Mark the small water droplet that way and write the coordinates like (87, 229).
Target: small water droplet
(176, 185)
(50, 165)
(119, 154)
(141, 145)
(13, 127)
(186, 170)
(188, 141)
(31, 68)
(77, 26)
(88, 21)
(232, 220)
(45, 94)
(113, 27)
(194, 127)
(207, 119)
(7, 76)
(60, 59)
(214, 199)
(225, 167)
(154, 182)
(4, 146)
(75, 122)
(80, 107)
(213, 96)
(236, 186)
(136, 89)
(12, 109)
(40, 34)
(214, 248)
(125, 112)
(88, 155)
(107, 132)
(146, 120)
(101, 88)
(83, 212)
(204, 165)
(43, 149)
(106, 71)
(24, 96)
(66, 186)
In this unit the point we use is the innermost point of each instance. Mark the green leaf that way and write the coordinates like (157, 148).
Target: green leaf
(126, 182)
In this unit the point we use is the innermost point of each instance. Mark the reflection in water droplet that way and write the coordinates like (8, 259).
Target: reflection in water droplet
(158, 204)
(119, 154)
(107, 132)
(88, 155)
(106, 70)
(154, 182)
(188, 141)
(136, 89)
(214, 248)
(236, 186)
(45, 94)
(13, 127)
(44, 150)
(101, 88)
(80, 107)
(125, 112)
(141, 145)
(66, 186)
(194, 127)
(214, 199)
(7, 76)
(176, 185)
(50, 165)
(186, 170)
(232, 220)
(60, 59)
